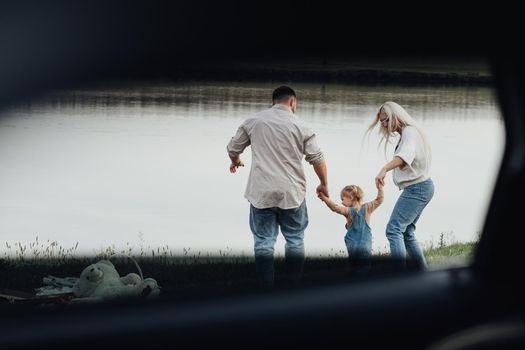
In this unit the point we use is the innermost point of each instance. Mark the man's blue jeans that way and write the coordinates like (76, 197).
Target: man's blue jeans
(265, 224)
(401, 227)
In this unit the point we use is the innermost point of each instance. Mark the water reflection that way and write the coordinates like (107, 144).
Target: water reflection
(316, 101)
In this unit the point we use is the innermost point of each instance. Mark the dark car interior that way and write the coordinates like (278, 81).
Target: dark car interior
(49, 45)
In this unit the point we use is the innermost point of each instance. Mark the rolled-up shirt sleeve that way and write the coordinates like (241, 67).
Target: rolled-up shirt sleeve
(312, 151)
(407, 148)
(239, 142)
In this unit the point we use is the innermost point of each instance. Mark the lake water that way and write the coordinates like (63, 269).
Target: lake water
(145, 165)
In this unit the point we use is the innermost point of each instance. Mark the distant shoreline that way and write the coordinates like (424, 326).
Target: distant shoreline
(350, 70)
(410, 72)
(353, 75)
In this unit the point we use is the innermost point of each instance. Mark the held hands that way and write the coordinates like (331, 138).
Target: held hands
(322, 197)
(322, 190)
(233, 166)
(380, 178)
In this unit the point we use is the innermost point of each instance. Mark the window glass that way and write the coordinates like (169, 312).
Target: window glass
(141, 169)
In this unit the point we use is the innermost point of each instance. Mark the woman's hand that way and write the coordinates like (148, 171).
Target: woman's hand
(380, 178)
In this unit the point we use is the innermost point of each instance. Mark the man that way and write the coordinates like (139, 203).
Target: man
(277, 185)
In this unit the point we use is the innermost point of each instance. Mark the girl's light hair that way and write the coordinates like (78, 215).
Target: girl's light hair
(398, 118)
(354, 191)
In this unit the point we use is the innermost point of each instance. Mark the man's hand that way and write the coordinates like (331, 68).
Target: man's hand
(322, 189)
(322, 196)
(234, 166)
(320, 170)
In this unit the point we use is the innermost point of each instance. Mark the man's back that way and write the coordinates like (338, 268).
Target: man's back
(277, 185)
(279, 141)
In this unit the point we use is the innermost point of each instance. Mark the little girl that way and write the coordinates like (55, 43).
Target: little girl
(358, 238)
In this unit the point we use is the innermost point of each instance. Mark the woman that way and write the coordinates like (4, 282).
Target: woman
(411, 173)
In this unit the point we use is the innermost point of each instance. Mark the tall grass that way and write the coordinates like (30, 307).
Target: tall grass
(448, 252)
(26, 264)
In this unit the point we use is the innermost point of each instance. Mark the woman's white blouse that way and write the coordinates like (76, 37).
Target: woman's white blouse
(411, 149)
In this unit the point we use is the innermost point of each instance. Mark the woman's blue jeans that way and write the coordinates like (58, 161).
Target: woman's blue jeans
(265, 224)
(401, 227)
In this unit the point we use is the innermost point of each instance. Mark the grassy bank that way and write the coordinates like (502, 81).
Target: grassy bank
(191, 275)
(450, 255)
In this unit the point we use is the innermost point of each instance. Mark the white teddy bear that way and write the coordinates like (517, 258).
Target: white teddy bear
(101, 281)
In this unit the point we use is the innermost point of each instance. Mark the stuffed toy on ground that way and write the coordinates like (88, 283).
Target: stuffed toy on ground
(101, 281)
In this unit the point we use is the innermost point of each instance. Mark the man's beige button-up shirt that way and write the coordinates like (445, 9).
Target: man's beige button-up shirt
(279, 141)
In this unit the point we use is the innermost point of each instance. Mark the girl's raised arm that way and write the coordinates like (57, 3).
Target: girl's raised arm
(339, 209)
(378, 200)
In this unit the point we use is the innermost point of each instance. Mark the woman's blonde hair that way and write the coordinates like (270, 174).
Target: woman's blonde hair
(354, 191)
(397, 118)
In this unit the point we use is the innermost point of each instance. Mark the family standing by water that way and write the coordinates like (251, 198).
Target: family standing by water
(277, 185)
